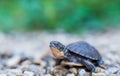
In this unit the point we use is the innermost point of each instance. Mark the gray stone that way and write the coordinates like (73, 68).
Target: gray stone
(47, 75)
(73, 70)
(11, 72)
(16, 71)
(50, 70)
(112, 70)
(13, 61)
(81, 72)
(70, 74)
(99, 74)
(38, 71)
(28, 73)
(3, 75)
(118, 73)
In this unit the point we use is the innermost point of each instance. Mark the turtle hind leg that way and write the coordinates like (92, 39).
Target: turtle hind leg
(90, 66)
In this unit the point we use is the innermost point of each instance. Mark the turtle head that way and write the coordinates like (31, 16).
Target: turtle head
(57, 49)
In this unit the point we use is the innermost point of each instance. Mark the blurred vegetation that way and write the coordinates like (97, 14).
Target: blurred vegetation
(70, 15)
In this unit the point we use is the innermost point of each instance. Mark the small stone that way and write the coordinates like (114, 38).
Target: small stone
(118, 73)
(100, 70)
(73, 70)
(19, 75)
(23, 59)
(38, 62)
(99, 74)
(113, 75)
(3, 74)
(107, 61)
(13, 61)
(70, 74)
(6, 54)
(28, 73)
(24, 67)
(49, 70)
(97, 70)
(2, 65)
(112, 70)
(118, 62)
(27, 62)
(11, 72)
(47, 75)
(57, 73)
(81, 72)
(38, 71)
(17, 72)
(104, 71)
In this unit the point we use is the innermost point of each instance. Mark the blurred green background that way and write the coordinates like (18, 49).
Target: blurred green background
(68, 15)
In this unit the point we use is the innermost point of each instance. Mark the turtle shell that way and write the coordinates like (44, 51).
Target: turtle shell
(84, 49)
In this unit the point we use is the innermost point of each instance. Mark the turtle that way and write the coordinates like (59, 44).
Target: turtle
(79, 52)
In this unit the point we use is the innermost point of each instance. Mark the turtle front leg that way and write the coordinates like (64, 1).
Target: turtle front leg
(58, 61)
(57, 64)
(90, 66)
(100, 63)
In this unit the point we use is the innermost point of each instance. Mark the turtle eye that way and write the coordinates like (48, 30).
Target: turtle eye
(56, 45)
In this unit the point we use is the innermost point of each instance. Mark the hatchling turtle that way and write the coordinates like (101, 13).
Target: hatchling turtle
(77, 53)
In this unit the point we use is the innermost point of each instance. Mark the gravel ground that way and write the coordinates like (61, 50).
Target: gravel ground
(28, 54)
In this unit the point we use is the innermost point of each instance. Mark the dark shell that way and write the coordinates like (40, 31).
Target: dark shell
(84, 49)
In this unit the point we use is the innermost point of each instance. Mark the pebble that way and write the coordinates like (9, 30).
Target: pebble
(3, 74)
(16, 71)
(97, 70)
(6, 54)
(73, 70)
(28, 73)
(50, 70)
(81, 72)
(2, 66)
(38, 71)
(112, 70)
(70, 74)
(57, 73)
(100, 70)
(48, 75)
(11, 72)
(26, 62)
(99, 74)
(118, 73)
(24, 67)
(13, 61)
